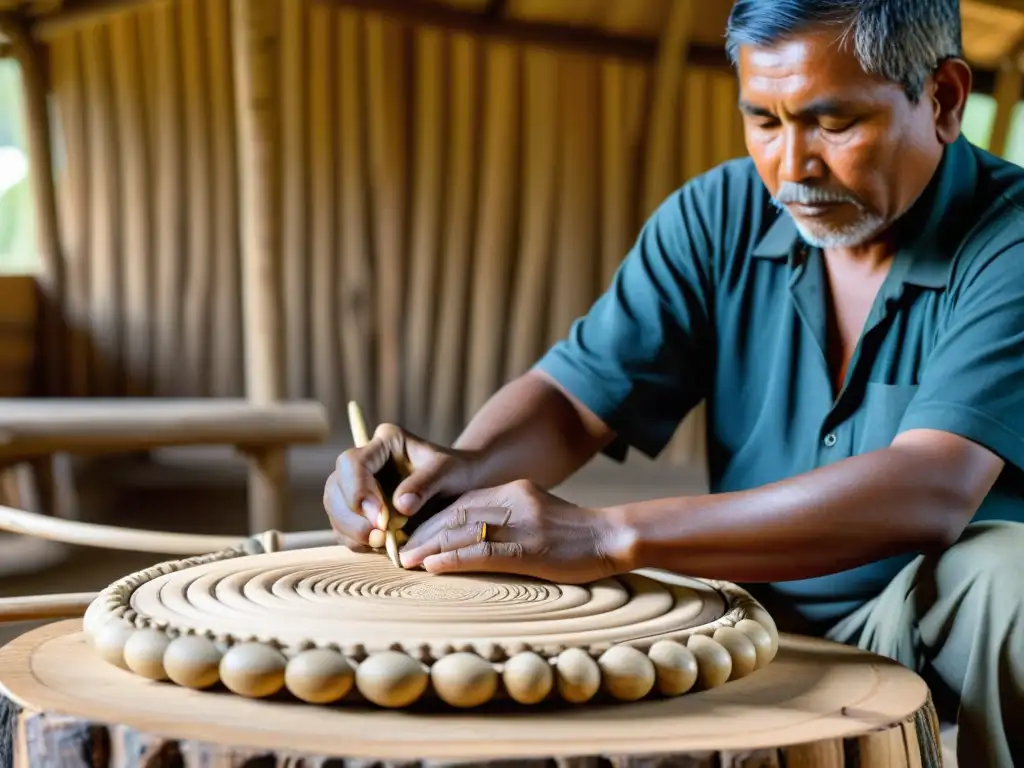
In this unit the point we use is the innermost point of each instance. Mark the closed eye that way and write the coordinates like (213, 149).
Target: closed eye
(838, 127)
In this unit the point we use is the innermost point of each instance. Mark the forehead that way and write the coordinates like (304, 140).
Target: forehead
(805, 66)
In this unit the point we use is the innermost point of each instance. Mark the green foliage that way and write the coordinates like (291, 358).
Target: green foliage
(17, 229)
(10, 105)
(978, 119)
(17, 225)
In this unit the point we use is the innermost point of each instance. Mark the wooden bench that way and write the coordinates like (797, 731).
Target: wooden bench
(34, 431)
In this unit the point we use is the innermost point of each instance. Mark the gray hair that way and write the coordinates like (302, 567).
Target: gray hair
(903, 41)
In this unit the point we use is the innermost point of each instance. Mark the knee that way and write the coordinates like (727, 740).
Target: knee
(987, 556)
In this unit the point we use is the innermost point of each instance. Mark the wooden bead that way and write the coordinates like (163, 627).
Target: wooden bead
(760, 616)
(94, 617)
(319, 676)
(714, 664)
(391, 679)
(741, 650)
(111, 640)
(626, 673)
(255, 670)
(464, 680)
(192, 661)
(760, 638)
(377, 538)
(579, 677)
(528, 677)
(144, 653)
(675, 667)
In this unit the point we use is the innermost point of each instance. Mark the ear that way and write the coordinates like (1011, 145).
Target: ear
(949, 88)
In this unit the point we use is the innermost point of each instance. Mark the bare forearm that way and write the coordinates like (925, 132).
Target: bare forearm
(531, 430)
(848, 514)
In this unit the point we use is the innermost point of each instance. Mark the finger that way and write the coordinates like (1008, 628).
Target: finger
(344, 521)
(457, 516)
(431, 477)
(485, 556)
(463, 528)
(356, 469)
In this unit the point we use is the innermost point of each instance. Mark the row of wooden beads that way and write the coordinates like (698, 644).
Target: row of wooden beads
(395, 679)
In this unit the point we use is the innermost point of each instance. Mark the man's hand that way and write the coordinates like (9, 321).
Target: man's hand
(352, 498)
(529, 532)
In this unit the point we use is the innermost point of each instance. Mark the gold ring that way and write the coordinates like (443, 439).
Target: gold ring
(483, 532)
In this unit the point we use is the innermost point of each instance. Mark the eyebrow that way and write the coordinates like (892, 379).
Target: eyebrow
(819, 108)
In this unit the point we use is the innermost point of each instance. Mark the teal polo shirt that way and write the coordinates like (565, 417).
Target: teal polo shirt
(720, 300)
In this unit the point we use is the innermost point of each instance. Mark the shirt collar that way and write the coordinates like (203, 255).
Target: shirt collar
(927, 233)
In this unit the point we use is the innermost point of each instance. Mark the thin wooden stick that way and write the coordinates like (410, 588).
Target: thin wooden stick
(69, 605)
(137, 540)
(361, 436)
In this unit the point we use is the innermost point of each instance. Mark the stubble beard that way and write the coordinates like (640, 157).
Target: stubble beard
(819, 234)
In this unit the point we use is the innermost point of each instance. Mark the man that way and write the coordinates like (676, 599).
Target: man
(850, 302)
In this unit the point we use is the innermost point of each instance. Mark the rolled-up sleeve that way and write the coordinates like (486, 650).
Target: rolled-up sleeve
(639, 358)
(973, 382)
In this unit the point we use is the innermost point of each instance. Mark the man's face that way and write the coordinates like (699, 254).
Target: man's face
(844, 152)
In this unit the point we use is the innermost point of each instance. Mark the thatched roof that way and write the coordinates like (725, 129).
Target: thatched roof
(993, 29)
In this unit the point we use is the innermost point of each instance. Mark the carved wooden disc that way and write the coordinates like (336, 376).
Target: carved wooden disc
(326, 621)
(816, 702)
(334, 595)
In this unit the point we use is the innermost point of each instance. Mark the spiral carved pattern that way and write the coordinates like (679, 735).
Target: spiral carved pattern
(328, 624)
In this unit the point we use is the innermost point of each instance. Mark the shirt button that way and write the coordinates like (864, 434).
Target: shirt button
(830, 439)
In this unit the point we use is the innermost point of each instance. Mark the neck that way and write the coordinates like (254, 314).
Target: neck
(869, 256)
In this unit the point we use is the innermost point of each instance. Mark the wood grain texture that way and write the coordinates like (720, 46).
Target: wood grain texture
(794, 714)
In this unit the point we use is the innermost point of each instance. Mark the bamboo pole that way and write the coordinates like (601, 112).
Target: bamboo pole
(659, 177)
(493, 244)
(430, 155)
(200, 173)
(227, 316)
(322, 296)
(257, 26)
(354, 315)
(295, 75)
(529, 292)
(136, 219)
(459, 226)
(386, 101)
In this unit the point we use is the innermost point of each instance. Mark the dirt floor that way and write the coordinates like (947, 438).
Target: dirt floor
(203, 491)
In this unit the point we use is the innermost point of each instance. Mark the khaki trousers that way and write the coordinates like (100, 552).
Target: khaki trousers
(957, 619)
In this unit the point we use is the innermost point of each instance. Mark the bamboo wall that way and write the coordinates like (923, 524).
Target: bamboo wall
(19, 308)
(450, 204)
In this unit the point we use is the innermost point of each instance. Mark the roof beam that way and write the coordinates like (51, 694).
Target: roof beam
(544, 34)
(46, 26)
(496, 9)
(1006, 5)
(554, 36)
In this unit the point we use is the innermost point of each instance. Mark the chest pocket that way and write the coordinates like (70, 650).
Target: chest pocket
(878, 418)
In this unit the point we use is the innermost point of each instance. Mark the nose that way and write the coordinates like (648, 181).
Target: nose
(800, 162)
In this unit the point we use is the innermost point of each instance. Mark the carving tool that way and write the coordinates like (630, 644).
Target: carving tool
(361, 436)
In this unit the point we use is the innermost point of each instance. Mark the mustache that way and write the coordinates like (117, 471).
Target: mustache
(793, 192)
